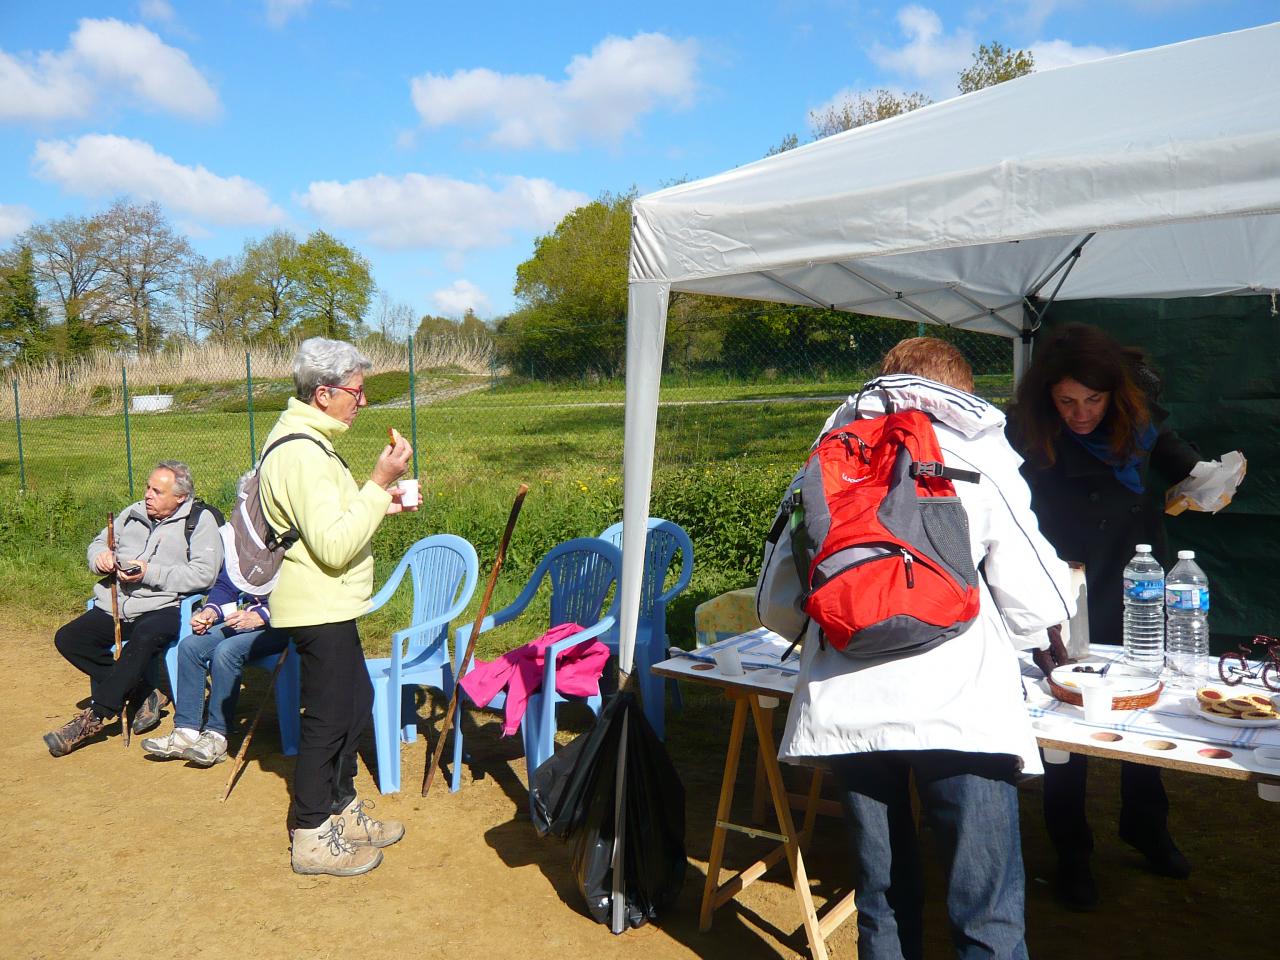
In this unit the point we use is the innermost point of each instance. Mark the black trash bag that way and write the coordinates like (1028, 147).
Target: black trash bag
(575, 792)
(560, 789)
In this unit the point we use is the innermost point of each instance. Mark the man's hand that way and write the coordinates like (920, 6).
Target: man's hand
(136, 576)
(392, 463)
(1055, 656)
(105, 562)
(204, 619)
(245, 620)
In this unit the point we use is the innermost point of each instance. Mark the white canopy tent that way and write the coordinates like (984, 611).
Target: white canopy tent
(1150, 174)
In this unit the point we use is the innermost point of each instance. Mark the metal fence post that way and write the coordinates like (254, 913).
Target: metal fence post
(17, 419)
(248, 379)
(413, 409)
(128, 440)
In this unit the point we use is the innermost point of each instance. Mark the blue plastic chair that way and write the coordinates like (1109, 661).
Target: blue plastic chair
(581, 573)
(664, 540)
(288, 689)
(444, 569)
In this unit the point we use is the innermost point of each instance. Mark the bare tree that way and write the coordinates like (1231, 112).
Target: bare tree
(392, 318)
(70, 268)
(146, 261)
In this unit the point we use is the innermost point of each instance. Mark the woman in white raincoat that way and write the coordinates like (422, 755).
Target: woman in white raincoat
(954, 715)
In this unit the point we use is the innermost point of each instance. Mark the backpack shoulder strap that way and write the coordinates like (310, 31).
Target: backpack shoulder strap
(198, 507)
(302, 436)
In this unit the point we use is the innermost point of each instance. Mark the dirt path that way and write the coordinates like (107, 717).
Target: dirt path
(113, 851)
(111, 854)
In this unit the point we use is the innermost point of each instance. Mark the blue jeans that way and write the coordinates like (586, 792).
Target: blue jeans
(970, 803)
(221, 653)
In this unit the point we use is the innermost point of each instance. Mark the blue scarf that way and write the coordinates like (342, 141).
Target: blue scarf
(1098, 443)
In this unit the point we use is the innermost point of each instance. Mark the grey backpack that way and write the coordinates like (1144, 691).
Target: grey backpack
(254, 551)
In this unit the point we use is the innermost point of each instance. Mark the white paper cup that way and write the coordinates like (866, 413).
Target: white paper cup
(1097, 703)
(228, 609)
(409, 495)
(728, 662)
(1055, 756)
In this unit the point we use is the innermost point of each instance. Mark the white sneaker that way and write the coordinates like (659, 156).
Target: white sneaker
(174, 745)
(211, 748)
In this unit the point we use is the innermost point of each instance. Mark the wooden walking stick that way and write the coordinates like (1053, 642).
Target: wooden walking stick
(434, 763)
(115, 622)
(244, 744)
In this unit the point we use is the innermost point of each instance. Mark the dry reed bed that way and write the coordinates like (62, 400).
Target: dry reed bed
(92, 385)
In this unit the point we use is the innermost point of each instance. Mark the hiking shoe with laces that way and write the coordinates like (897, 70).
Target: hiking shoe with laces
(74, 732)
(174, 745)
(209, 749)
(364, 831)
(323, 849)
(148, 716)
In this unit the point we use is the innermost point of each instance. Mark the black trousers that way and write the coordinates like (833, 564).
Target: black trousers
(1144, 805)
(337, 704)
(88, 644)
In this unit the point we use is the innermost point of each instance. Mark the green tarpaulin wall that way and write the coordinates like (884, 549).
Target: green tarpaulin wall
(1219, 359)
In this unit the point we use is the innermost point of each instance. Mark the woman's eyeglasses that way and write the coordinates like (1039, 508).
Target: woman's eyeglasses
(356, 392)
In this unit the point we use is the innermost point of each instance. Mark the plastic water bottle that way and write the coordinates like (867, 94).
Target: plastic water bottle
(1144, 611)
(1186, 604)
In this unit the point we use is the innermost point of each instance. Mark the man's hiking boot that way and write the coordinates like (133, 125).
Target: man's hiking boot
(74, 732)
(323, 849)
(148, 716)
(172, 746)
(364, 831)
(209, 749)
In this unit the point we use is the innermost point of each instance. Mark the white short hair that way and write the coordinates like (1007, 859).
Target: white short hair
(183, 485)
(320, 361)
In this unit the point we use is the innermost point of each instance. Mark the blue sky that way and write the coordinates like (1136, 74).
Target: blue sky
(440, 139)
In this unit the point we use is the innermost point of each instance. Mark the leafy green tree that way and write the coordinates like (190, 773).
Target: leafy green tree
(223, 299)
(332, 288)
(24, 322)
(859, 109)
(995, 63)
(268, 269)
(573, 295)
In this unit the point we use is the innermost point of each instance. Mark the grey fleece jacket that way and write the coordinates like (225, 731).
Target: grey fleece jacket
(162, 544)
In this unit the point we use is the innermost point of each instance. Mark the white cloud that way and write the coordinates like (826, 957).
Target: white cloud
(426, 211)
(158, 10)
(1062, 53)
(104, 165)
(138, 60)
(104, 56)
(930, 57)
(14, 218)
(42, 87)
(460, 296)
(280, 12)
(602, 97)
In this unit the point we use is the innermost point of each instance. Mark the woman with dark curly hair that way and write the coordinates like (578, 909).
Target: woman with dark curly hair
(1085, 419)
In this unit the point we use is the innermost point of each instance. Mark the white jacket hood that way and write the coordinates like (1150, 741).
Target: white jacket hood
(968, 415)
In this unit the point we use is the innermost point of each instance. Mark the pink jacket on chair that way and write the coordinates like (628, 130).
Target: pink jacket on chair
(519, 672)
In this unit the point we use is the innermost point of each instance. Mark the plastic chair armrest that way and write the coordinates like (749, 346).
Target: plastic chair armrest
(388, 590)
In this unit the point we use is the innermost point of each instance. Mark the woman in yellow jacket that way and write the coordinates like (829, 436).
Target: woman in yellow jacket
(325, 584)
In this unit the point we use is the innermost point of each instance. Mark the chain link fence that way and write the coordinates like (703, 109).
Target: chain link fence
(105, 422)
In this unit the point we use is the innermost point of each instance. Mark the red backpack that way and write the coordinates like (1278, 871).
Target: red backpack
(880, 539)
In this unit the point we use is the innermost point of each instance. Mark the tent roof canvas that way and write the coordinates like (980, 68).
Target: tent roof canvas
(1161, 167)
(1169, 157)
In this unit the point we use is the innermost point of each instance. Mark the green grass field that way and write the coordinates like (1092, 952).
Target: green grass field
(723, 453)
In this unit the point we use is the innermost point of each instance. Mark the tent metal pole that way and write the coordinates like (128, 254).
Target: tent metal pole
(618, 899)
(794, 289)
(894, 295)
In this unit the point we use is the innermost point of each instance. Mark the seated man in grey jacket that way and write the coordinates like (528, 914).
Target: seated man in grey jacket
(154, 567)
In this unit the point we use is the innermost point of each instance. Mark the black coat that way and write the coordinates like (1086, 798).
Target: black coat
(1090, 517)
